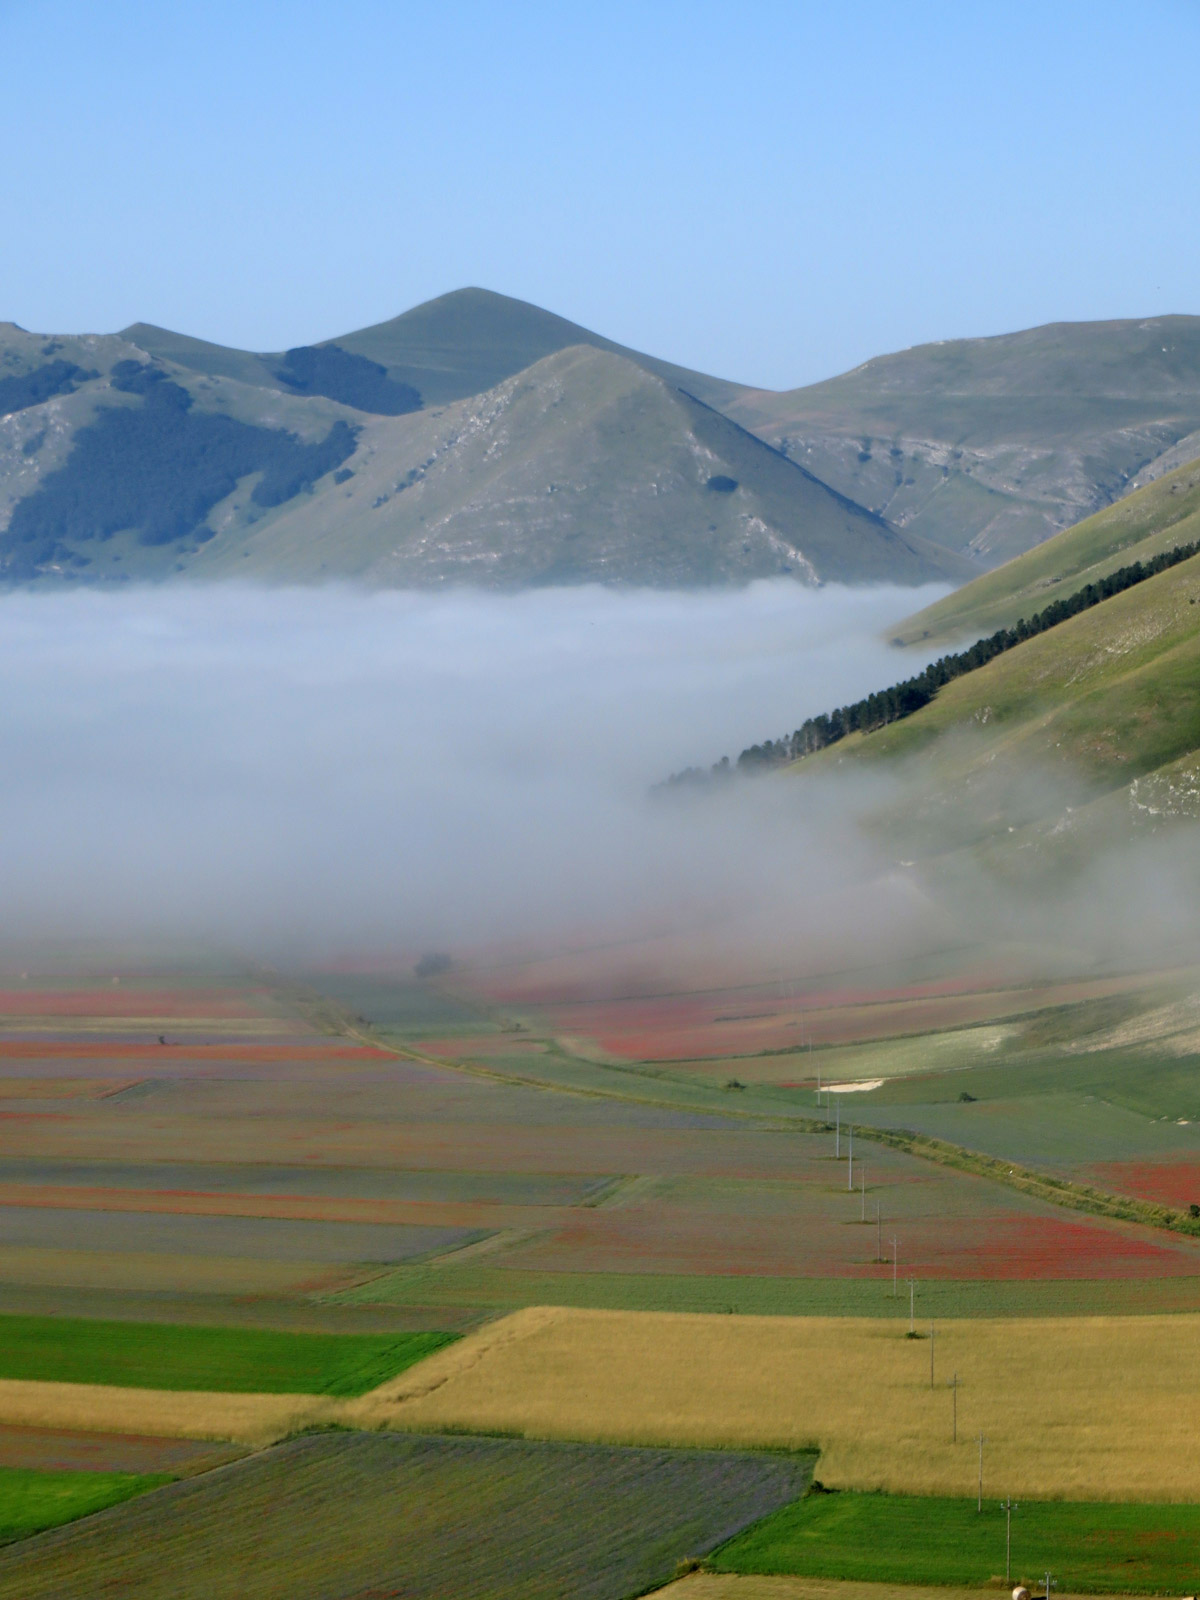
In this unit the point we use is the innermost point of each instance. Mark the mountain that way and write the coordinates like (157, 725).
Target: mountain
(451, 348)
(1163, 514)
(991, 445)
(584, 467)
(1078, 737)
(116, 464)
(465, 342)
(149, 453)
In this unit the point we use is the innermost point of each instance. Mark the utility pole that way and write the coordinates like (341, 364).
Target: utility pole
(981, 1440)
(1051, 1583)
(931, 1344)
(850, 1168)
(878, 1233)
(895, 1258)
(1009, 1506)
(837, 1129)
(912, 1295)
(862, 1178)
(954, 1391)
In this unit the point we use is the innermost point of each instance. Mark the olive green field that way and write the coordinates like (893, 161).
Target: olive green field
(904, 1539)
(229, 1360)
(32, 1501)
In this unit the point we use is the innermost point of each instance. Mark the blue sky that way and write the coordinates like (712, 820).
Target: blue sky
(770, 191)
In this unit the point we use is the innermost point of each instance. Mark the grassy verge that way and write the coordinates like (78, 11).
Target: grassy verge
(233, 1360)
(906, 1539)
(1058, 1191)
(31, 1502)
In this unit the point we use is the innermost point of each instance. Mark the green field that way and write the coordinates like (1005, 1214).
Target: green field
(387, 1514)
(33, 1501)
(878, 1538)
(236, 1360)
(508, 1288)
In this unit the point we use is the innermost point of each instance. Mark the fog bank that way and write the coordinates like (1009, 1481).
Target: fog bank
(322, 773)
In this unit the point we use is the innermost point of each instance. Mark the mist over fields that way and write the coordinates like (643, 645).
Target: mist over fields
(324, 772)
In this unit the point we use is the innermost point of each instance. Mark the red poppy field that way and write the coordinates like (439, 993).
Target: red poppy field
(1174, 1183)
(301, 1161)
(730, 1023)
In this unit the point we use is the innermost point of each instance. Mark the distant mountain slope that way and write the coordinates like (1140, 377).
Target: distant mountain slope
(585, 467)
(982, 446)
(115, 472)
(472, 339)
(1164, 514)
(458, 345)
(990, 445)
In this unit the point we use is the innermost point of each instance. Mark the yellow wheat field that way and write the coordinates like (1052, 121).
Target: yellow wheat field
(253, 1419)
(1085, 1408)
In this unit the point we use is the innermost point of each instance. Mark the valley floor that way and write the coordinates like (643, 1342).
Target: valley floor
(692, 1220)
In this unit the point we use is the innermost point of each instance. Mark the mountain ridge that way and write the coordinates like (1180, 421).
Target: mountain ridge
(583, 467)
(951, 453)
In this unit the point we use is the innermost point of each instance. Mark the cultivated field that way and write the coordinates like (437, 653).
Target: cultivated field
(76, 1450)
(232, 1360)
(731, 1586)
(447, 1519)
(909, 1540)
(31, 1501)
(859, 1391)
(252, 1227)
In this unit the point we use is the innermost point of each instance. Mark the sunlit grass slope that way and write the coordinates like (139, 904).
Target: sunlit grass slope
(1106, 704)
(1163, 514)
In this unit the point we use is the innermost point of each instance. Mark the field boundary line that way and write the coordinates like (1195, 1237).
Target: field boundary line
(1063, 1192)
(379, 1405)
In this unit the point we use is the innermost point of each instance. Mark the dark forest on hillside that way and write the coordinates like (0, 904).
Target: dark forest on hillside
(158, 468)
(885, 706)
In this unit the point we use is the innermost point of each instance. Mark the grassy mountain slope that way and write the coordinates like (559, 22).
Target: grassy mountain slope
(115, 475)
(472, 339)
(585, 467)
(1089, 731)
(991, 445)
(1163, 514)
(451, 348)
(200, 356)
(982, 446)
